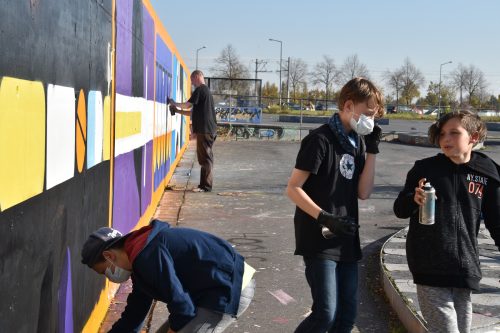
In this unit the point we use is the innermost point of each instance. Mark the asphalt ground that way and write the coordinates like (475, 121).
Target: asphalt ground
(249, 209)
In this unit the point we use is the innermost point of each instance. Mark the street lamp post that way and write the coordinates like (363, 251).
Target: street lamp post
(281, 56)
(439, 87)
(198, 50)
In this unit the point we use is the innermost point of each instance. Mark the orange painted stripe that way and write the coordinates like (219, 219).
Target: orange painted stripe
(81, 131)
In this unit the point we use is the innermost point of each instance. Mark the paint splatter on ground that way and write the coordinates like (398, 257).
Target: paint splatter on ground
(281, 320)
(282, 297)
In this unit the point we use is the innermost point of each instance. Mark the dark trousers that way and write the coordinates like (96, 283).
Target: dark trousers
(334, 288)
(204, 143)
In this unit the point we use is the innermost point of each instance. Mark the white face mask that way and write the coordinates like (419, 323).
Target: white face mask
(363, 126)
(119, 276)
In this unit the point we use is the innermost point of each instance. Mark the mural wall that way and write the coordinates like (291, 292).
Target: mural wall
(85, 141)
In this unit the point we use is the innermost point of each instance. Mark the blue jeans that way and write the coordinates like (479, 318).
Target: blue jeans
(334, 290)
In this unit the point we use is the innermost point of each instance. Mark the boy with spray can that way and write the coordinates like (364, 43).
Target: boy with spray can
(443, 256)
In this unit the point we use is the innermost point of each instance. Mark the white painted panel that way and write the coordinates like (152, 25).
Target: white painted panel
(160, 119)
(148, 121)
(60, 134)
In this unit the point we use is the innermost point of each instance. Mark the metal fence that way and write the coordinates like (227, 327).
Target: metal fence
(236, 100)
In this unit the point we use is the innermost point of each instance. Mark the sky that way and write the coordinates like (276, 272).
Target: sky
(381, 33)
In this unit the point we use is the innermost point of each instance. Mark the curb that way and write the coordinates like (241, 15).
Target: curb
(407, 316)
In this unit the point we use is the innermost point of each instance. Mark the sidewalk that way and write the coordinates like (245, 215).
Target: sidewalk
(168, 210)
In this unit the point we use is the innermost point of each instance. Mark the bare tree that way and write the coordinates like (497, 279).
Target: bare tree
(458, 79)
(394, 80)
(228, 64)
(352, 68)
(413, 79)
(325, 74)
(475, 83)
(298, 73)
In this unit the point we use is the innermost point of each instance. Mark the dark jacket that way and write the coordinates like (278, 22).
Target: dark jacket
(446, 254)
(186, 269)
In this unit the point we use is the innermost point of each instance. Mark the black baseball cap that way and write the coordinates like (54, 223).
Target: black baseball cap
(100, 240)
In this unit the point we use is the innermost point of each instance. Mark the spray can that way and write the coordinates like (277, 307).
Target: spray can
(427, 210)
(326, 232)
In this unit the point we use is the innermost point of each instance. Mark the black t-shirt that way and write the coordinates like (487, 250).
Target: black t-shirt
(332, 185)
(203, 113)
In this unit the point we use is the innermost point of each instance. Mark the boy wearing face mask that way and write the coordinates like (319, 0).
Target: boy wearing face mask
(205, 283)
(335, 166)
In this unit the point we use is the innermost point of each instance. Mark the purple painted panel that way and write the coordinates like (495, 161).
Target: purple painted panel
(163, 54)
(149, 46)
(146, 189)
(164, 58)
(65, 294)
(126, 201)
(124, 47)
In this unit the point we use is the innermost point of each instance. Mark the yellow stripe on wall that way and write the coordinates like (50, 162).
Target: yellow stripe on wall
(127, 124)
(22, 140)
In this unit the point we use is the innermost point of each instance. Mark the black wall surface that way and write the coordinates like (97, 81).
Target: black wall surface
(137, 51)
(63, 42)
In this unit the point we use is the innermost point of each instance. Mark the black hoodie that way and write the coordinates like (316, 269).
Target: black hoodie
(445, 254)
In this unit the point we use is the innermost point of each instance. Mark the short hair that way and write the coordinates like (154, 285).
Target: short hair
(469, 120)
(196, 73)
(360, 90)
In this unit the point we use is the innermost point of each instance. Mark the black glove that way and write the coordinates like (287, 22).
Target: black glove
(339, 225)
(373, 139)
(169, 100)
(172, 109)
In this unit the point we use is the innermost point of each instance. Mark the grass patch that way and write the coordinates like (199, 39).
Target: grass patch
(277, 110)
(414, 116)
(491, 119)
(409, 116)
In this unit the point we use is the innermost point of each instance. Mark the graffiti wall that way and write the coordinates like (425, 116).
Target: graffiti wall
(85, 141)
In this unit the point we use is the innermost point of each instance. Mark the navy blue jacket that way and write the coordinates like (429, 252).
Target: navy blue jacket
(186, 269)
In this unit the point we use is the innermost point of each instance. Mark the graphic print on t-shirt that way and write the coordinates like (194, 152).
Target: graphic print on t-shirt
(476, 184)
(347, 166)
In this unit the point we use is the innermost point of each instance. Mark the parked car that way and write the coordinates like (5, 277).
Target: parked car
(398, 109)
(403, 108)
(329, 106)
(292, 106)
(431, 112)
(487, 113)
